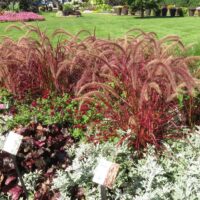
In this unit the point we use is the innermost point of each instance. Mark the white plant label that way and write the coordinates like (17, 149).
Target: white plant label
(3, 106)
(105, 173)
(12, 143)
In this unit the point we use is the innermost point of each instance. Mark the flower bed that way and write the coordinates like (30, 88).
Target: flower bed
(124, 100)
(22, 16)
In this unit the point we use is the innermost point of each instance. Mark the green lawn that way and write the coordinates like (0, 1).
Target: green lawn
(188, 28)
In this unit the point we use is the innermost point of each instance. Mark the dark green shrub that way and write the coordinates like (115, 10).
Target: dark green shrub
(141, 5)
(157, 12)
(34, 9)
(180, 12)
(67, 9)
(176, 2)
(118, 2)
(182, 3)
(24, 5)
(60, 7)
(3, 5)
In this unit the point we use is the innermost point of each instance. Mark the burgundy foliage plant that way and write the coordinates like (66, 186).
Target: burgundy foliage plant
(136, 81)
(133, 82)
(43, 148)
(33, 65)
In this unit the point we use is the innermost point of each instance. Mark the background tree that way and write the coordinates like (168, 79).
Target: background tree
(183, 3)
(25, 4)
(193, 3)
(141, 5)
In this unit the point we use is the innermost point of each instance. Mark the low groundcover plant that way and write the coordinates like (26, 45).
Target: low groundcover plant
(172, 175)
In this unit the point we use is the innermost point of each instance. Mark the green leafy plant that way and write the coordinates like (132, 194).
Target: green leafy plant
(31, 179)
(14, 6)
(25, 4)
(103, 8)
(52, 109)
(68, 9)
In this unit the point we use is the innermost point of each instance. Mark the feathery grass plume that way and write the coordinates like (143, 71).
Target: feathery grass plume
(32, 64)
(190, 104)
(146, 76)
(137, 78)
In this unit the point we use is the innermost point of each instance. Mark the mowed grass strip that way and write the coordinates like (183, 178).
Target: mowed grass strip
(106, 25)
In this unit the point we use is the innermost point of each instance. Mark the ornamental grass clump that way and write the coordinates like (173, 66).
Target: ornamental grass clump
(132, 81)
(136, 81)
(32, 64)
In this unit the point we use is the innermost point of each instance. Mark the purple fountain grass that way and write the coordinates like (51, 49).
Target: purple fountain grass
(134, 80)
(146, 76)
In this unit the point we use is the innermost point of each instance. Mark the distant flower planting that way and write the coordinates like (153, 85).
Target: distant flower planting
(21, 16)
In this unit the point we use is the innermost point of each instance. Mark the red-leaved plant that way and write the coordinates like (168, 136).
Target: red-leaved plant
(136, 81)
(42, 149)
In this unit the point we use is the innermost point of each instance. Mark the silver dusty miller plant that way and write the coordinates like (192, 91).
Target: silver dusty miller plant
(81, 171)
(173, 176)
(3, 197)
(3, 124)
(185, 166)
(31, 179)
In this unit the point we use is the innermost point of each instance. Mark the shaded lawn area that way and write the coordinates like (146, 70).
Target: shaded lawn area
(188, 28)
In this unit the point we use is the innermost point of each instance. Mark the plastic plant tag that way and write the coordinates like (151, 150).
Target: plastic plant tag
(34, 119)
(12, 143)
(105, 173)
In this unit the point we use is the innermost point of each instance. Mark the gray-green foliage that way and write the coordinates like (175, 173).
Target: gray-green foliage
(81, 171)
(31, 179)
(173, 176)
(3, 197)
(3, 123)
(185, 167)
(6, 99)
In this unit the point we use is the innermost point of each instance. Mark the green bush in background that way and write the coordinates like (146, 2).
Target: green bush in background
(183, 3)
(24, 5)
